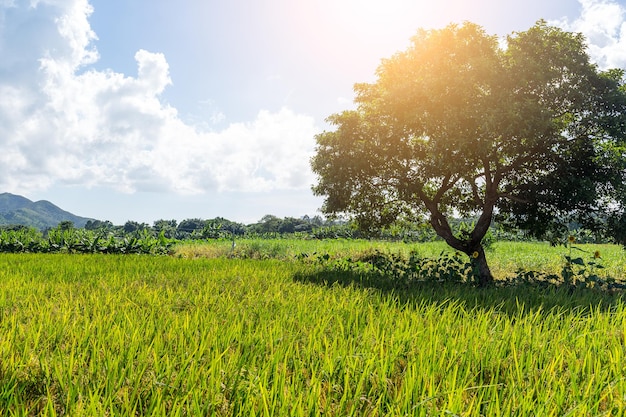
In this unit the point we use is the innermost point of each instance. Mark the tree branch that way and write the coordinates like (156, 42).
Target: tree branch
(475, 193)
(513, 198)
(447, 183)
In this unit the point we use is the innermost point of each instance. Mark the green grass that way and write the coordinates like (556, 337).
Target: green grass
(508, 257)
(166, 336)
(505, 258)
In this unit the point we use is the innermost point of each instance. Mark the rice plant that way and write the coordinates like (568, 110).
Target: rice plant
(165, 336)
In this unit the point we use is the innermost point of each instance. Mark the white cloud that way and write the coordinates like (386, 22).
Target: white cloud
(64, 122)
(603, 23)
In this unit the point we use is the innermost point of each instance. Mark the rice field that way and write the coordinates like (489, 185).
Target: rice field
(505, 258)
(199, 335)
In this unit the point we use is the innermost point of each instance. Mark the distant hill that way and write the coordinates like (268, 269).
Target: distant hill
(15, 209)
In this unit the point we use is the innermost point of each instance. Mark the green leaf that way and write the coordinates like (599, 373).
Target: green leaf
(577, 261)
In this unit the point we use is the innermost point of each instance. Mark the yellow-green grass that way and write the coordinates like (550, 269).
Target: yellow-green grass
(164, 336)
(505, 258)
(508, 257)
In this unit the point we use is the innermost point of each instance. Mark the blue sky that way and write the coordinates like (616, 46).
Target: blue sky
(144, 110)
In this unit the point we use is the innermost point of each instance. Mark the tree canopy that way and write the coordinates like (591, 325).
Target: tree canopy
(461, 123)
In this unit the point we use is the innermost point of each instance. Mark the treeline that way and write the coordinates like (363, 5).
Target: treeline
(134, 237)
(269, 226)
(219, 227)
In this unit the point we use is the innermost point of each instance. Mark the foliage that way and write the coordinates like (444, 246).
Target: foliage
(165, 227)
(578, 272)
(395, 270)
(273, 224)
(69, 240)
(98, 225)
(457, 124)
(508, 257)
(23, 239)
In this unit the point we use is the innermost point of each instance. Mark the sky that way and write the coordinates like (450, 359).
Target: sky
(152, 109)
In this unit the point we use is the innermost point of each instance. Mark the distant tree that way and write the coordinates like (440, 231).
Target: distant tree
(273, 224)
(303, 226)
(16, 227)
(190, 228)
(288, 225)
(230, 226)
(167, 227)
(317, 221)
(98, 225)
(220, 227)
(65, 225)
(133, 226)
(268, 224)
(457, 124)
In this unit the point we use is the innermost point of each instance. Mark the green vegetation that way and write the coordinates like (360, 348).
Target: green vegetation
(524, 129)
(66, 239)
(390, 258)
(393, 261)
(164, 336)
(510, 259)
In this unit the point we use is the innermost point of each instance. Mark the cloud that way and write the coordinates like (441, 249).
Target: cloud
(63, 122)
(603, 24)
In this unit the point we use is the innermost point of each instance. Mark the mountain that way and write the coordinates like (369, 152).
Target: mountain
(15, 209)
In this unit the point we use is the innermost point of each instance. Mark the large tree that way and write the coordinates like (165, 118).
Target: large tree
(461, 123)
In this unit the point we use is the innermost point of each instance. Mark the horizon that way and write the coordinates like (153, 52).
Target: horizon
(177, 220)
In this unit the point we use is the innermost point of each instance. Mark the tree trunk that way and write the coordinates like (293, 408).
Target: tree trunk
(471, 247)
(480, 268)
